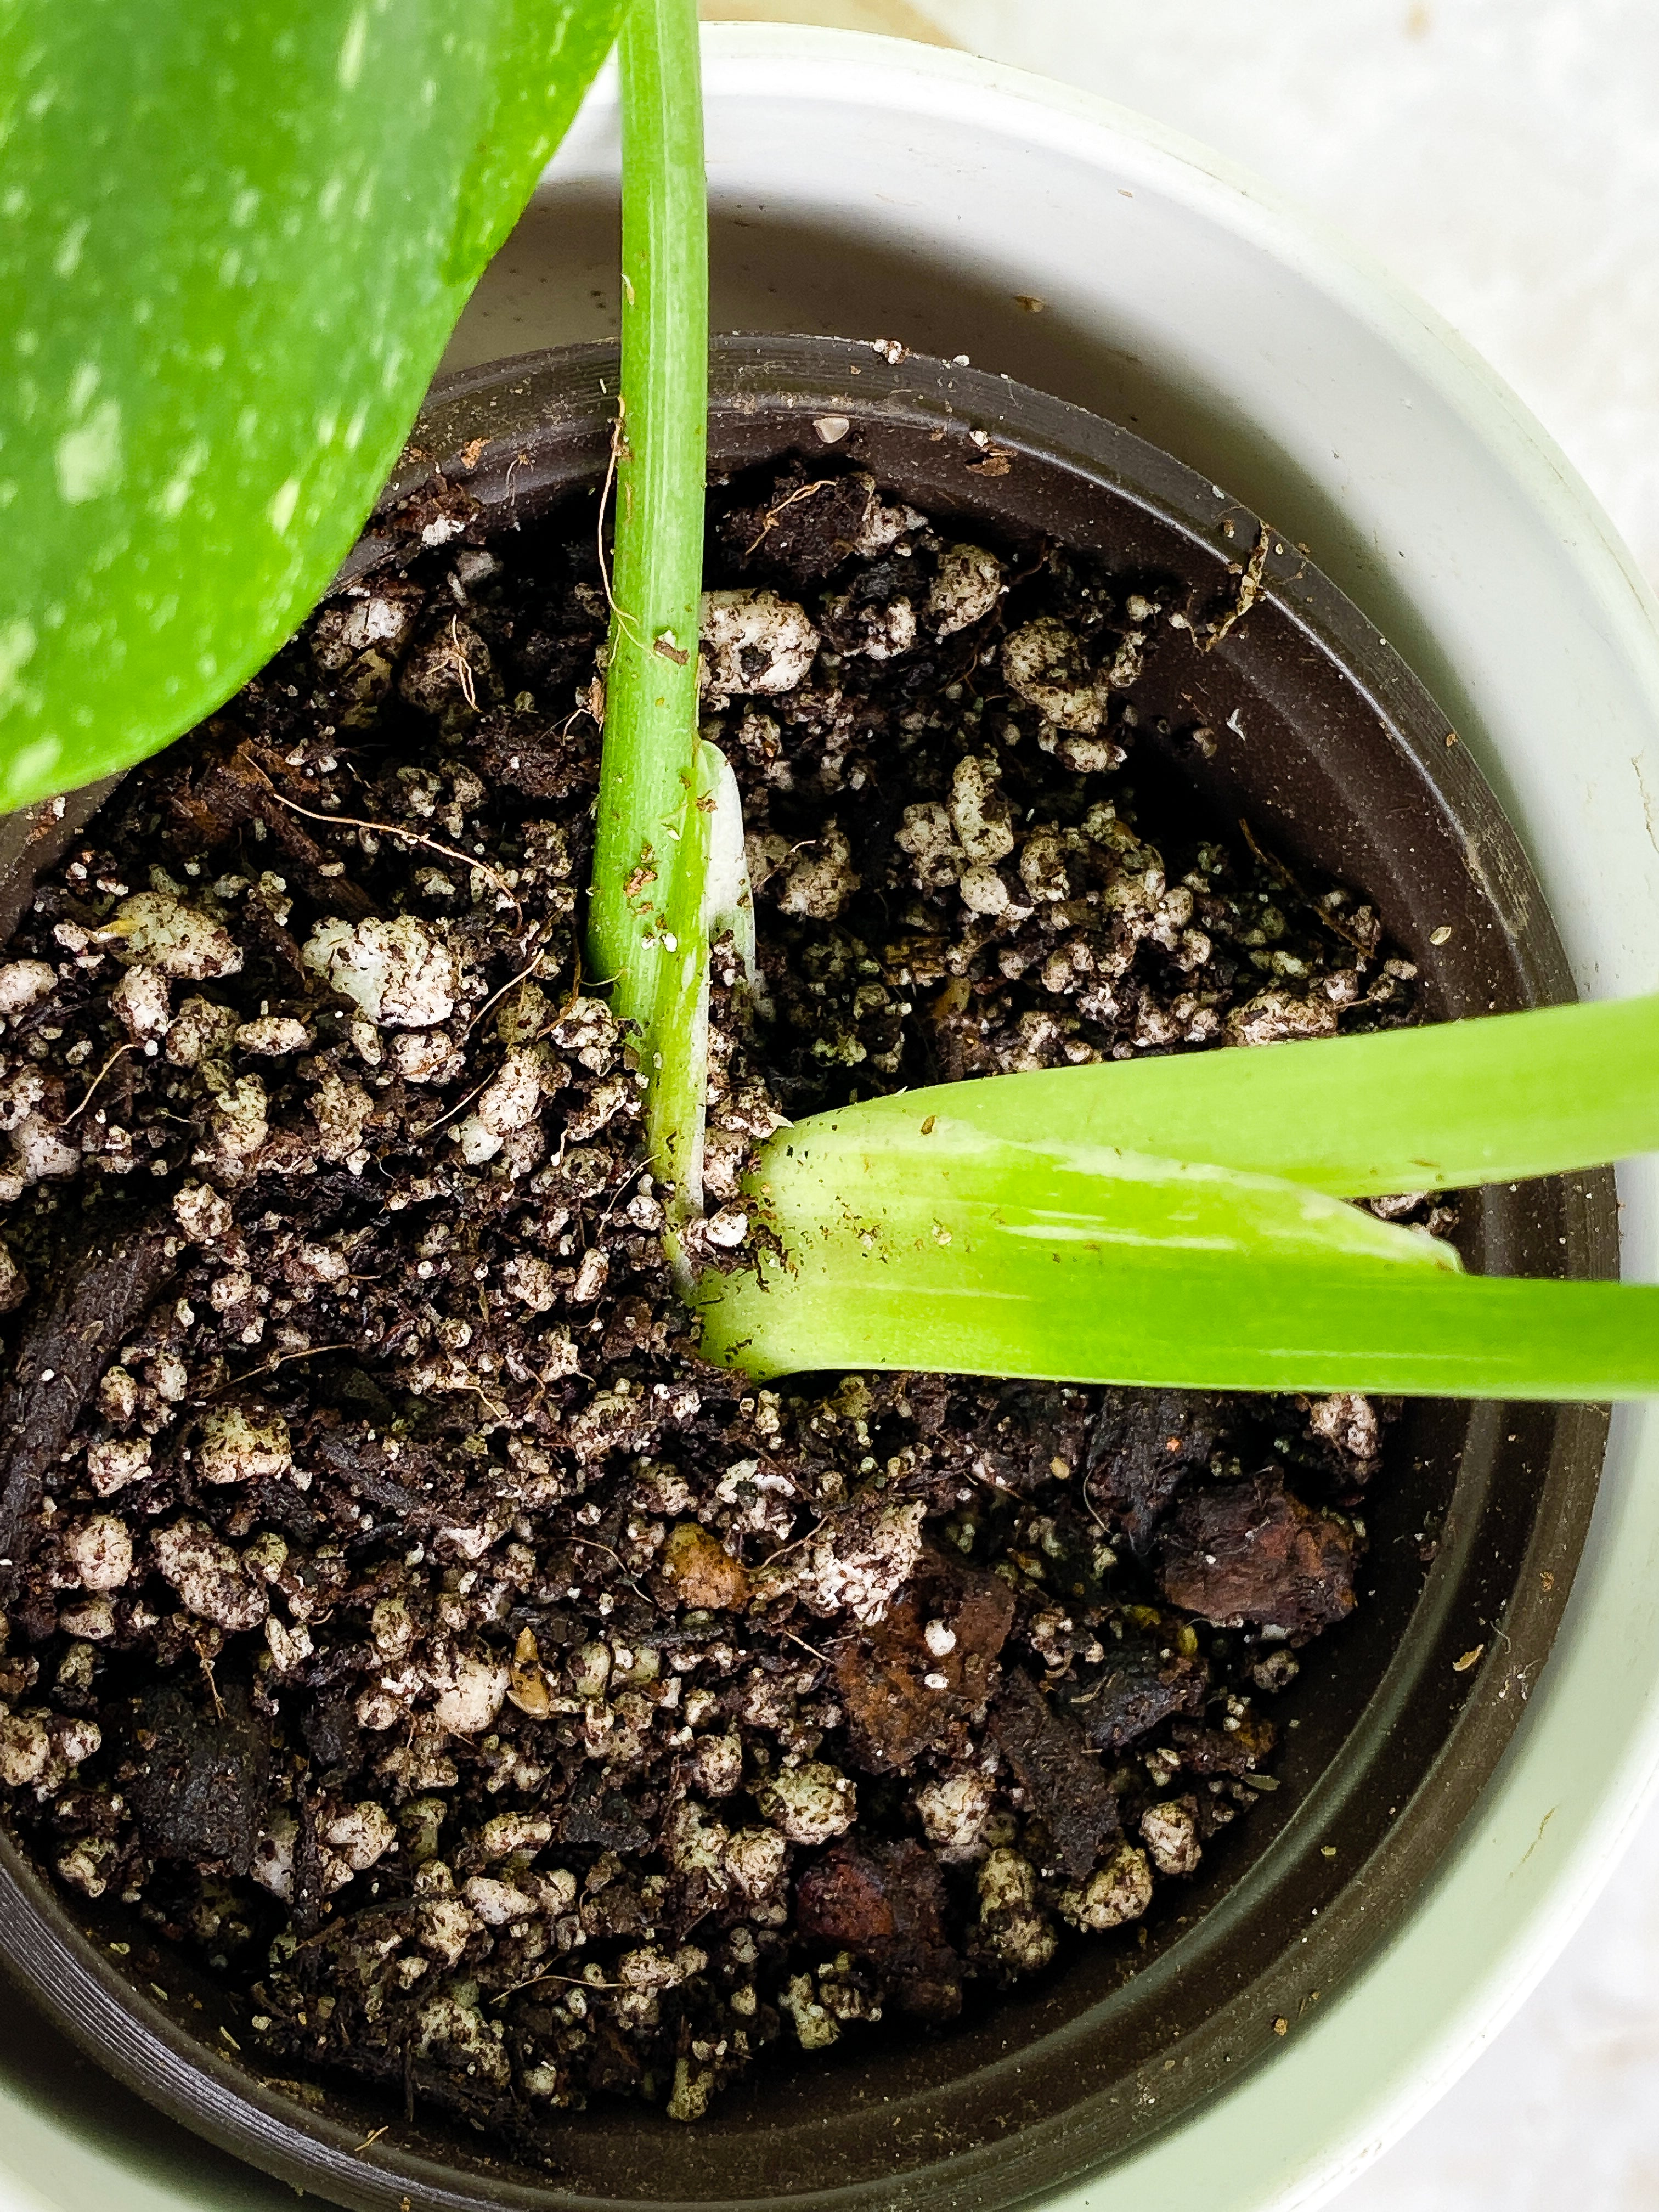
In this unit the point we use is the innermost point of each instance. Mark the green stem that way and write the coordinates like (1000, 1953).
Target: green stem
(649, 855)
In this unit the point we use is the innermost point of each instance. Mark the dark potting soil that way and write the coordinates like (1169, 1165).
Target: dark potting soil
(507, 1706)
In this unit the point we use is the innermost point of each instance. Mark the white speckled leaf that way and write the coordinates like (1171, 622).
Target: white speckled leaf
(234, 236)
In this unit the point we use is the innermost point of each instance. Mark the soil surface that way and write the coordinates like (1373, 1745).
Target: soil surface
(509, 1708)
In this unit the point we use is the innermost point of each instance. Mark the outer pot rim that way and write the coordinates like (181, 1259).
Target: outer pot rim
(929, 409)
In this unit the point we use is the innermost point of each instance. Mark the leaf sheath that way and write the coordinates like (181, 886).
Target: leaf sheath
(900, 1240)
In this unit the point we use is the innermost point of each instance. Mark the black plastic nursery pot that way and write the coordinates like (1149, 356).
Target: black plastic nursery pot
(1323, 739)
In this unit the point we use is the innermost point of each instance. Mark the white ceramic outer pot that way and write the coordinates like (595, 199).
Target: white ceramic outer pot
(876, 188)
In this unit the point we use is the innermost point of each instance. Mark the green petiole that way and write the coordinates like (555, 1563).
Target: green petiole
(645, 935)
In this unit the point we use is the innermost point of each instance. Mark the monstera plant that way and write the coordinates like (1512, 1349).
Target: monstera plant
(237, 238)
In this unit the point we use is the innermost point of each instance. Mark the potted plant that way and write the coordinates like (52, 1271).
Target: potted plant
(651, 635)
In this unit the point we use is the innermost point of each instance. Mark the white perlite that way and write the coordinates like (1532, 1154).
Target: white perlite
(474, 1692)
(25, 1749)
(813, 2024)
(117, 1461)
(1044, 666)
(397, 972)
(1349, 1422)
(755, 1860)
(1017, 1928)
(23, 984)
(981, 816)
(271, 1035)
(155, 927)
(755, 641)
(819, 878)
(238, 1125)
(202, 1215)
(201, 1031)
(512, 1099)
(140, 1001)
(965, 588)
(855, 1561)
(1170, 1831)
(14, 1283)
(100, 1551)
(361, 1835)
(427, 1056)
(810, 1804)
(243, 1443)
(954, 1810)
(208, 1577)
(1118, 1891)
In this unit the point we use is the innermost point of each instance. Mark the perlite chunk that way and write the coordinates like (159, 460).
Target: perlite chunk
(201, 1212)
(814, 2027)
(397, 972)
(1170, 1831)
(512, 1097)
(201, 1034)
(23, 984)
(178, 940)
(239, 1126)
(1120, 1890)
(819, 877)
(980, 815)
(854, 1561)
(341, 1111)
(966, 587)
(954, 1810)
(140, 1000)
(208, 1577)
(1045, 666)
(271, 1035)
(473, 1693)
(1013, 1924)
(118, 1461)
(25, 1749)
(810, 1804)
(755, 642)
(99, 1550)
(243, 1443)
(361, 1834)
